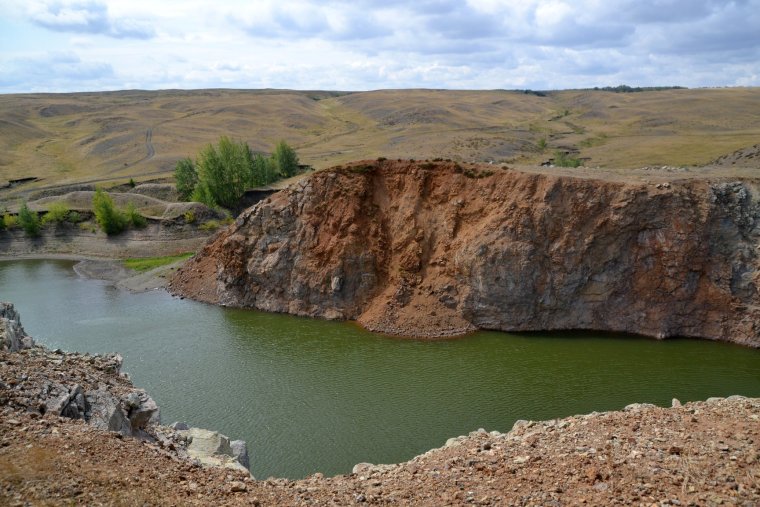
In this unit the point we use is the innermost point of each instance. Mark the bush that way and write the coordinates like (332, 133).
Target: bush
(29, 221)
(189, 217)
(541, 144)
(111, 220)
(57, 213)
(209, 225)
(562, 159)
(134, 217)
(75, 217)
(186, 178)
(10, 221)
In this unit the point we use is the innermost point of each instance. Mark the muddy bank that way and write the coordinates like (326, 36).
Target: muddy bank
(439, 249)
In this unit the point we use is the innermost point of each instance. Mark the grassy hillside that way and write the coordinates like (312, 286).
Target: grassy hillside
(114, 136)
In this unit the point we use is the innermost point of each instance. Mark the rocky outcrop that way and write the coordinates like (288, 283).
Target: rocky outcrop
(438, 249)
(92, 389)
(12, 334)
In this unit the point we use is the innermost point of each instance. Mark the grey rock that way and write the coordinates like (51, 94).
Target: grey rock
(635, 407)
(12, 335)
(179, 426)
(105, 413)
(211, 448)
(141, 410)
(240, 452)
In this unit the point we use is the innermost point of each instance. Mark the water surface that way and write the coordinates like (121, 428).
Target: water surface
(315, 396)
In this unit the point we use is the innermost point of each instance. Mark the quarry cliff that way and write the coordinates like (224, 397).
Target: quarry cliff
(433, 249)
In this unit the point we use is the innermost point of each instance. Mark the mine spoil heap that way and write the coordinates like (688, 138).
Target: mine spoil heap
(429, 249)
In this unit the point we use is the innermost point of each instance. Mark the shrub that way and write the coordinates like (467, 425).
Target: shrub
(57, 213)
(10, 221)
(541, 144)
(74, 217)
(132, 183)
(209, 225)
(189, 217)
(186, 178)
(87, 226)
(562, 159)
(29, 221)
(111, 220)
(134, 217)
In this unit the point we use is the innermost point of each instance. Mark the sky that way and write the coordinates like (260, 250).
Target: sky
(93, 45)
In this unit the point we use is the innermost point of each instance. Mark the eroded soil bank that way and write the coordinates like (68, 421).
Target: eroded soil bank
(430, 249)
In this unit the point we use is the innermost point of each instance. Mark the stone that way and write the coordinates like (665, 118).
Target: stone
(105, 412)
(211, 448)
(142, 410)
(675, 403)
(12, 335)
(179, 426)
(237, 486)
(362, 468)
(240, 452)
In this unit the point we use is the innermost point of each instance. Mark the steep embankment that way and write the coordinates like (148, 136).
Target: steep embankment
(435, 249)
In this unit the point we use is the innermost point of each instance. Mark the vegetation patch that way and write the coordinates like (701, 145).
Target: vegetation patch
(29, 221)
(222, 173)
(147, 263)
(562, 159)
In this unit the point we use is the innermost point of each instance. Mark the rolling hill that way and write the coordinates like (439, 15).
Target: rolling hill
(114, 136)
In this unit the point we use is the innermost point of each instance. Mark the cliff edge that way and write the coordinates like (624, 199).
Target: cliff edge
(429, 249)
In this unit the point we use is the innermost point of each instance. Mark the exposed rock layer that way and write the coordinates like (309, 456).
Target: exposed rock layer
(435, 249)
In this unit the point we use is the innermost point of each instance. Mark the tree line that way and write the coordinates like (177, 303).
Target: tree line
(223, 172)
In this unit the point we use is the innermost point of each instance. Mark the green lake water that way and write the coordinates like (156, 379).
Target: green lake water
(315, 396)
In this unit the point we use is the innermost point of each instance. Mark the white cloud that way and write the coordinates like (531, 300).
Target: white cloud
(366, 44)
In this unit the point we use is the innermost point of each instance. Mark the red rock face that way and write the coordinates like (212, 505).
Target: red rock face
(434, 249)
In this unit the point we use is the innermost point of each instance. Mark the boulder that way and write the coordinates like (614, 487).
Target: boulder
(12, 335)
(141, 409)
(211, 448)
(105, 413)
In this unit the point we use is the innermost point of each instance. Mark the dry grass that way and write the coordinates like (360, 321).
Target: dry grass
(69, 138)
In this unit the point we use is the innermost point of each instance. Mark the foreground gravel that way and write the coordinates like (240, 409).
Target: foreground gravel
(702, 453)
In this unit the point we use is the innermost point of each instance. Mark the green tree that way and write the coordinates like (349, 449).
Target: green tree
(29, 220)
(109, 218)
(285, 159)
(186, 178)
(225, 171)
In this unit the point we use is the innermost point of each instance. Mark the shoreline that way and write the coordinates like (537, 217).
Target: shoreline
(110, 270)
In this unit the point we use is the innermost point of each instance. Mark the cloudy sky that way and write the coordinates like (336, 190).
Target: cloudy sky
(81, 45)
